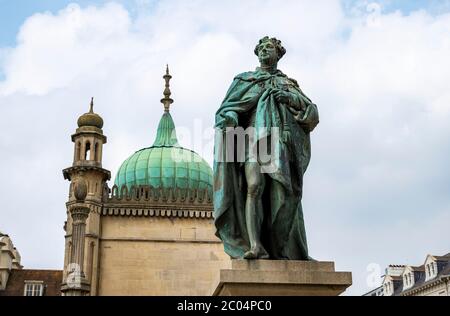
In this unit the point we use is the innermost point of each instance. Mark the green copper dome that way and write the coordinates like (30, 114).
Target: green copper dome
(166, 164)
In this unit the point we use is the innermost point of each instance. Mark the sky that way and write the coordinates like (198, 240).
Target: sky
(377, 189)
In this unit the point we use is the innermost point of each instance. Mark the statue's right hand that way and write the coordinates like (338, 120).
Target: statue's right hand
(227, 121)
(296, 113)
(230, 122)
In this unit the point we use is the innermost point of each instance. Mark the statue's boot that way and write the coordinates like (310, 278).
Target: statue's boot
(257, 252)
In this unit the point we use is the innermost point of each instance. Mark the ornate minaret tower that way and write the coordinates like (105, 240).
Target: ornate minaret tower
(87, 182)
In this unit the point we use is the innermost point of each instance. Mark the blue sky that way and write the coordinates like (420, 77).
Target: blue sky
(407, 6)
(379, 177)
(14, 13)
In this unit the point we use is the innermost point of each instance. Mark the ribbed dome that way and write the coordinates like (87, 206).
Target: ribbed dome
(90, 118)
(165, 164)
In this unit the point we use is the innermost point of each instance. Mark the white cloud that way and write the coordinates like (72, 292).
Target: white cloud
(380, 81)
(55, 51)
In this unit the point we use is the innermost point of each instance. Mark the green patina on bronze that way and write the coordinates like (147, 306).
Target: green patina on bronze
(259, 215)
(165, 164)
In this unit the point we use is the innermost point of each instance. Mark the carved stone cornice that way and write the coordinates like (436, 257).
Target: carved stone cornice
(68, 172)
(423, 287)
(79, 214)
(147, 195)
(93, 205)
(89, 130)
(164, 240)
(169, 212)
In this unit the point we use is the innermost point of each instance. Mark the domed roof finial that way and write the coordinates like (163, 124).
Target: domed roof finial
(167, 101)
(90, 118)
(91, 110)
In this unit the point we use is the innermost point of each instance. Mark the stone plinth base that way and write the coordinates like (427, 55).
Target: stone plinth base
(81, 288)
(281, 278)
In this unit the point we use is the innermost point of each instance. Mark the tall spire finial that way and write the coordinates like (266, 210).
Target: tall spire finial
(167, 101)
(91, 110)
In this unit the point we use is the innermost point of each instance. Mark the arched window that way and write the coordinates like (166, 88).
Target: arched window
(387, 290)
(91, 260)
(87, 151)
(432, 269)
(69, 252)
(78, 151)
(96, 152)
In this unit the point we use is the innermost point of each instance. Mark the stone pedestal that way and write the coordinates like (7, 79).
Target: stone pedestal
(281, 278)
(78, 288)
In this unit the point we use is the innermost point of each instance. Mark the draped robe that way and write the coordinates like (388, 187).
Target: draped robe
(283, 232)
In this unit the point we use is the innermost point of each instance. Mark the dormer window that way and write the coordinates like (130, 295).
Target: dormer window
(388, 288)
(408, 280)
(431, 270)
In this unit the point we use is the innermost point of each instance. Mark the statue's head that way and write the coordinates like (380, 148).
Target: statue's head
(269, 50)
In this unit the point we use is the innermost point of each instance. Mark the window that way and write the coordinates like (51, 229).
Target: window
(96, 152)
(406, 281)
(78, 151)
(388, 289)
(87, 152)
(34, 288)
(431, 270)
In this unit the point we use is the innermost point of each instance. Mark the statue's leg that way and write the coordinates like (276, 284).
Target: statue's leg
(254, 214)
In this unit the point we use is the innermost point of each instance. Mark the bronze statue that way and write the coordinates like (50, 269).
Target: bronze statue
(257, 202)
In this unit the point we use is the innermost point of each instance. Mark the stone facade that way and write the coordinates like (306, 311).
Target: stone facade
(146, 241)
(158, 256)
(138, 240)
(9, 260)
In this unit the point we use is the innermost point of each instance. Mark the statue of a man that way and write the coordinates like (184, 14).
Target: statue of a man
(257, 202)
